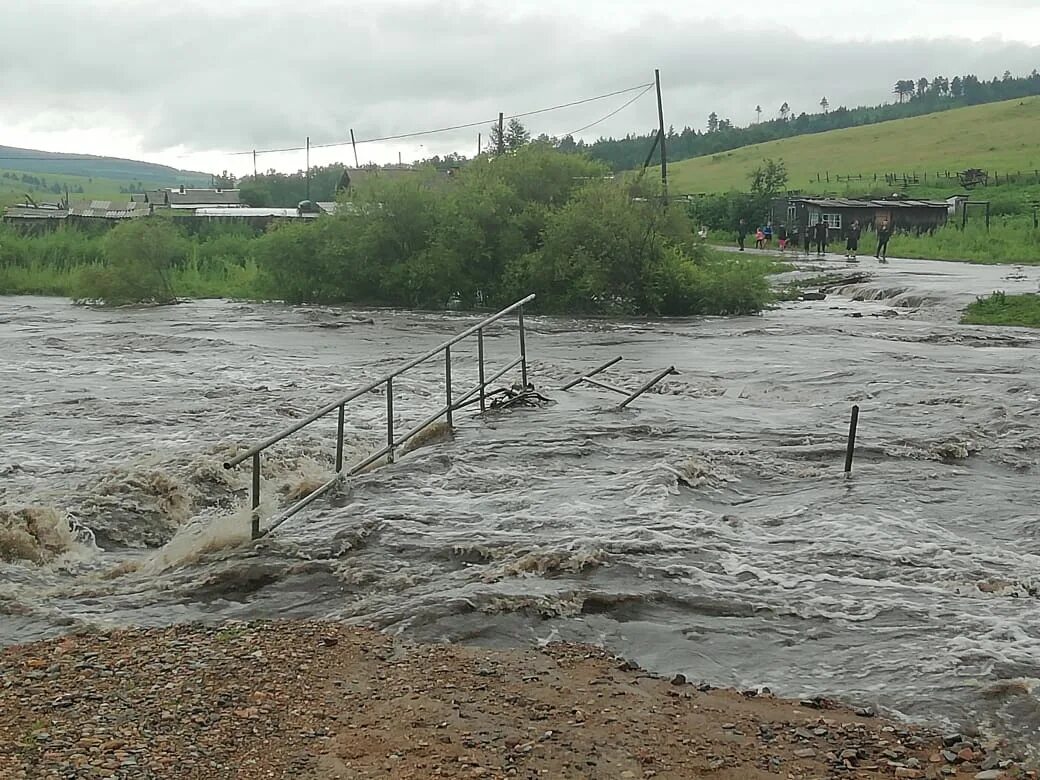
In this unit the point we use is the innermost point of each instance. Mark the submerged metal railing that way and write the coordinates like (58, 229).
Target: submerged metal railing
(393, 440)
(630, 395)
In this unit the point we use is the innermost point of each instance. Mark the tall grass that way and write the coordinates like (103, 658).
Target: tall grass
(1001, 309)
(217, 264)
(1010, 239)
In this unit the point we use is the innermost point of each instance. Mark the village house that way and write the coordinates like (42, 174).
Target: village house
(917, 216)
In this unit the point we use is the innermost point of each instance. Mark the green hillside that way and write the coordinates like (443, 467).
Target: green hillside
(1001, 137)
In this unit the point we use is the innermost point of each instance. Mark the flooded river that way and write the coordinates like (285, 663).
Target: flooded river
(706, 530)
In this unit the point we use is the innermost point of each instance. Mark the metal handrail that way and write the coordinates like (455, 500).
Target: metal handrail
(393, 442)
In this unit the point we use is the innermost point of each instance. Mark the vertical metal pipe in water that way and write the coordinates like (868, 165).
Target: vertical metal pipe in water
(390, 419)
(851, 448)
(447, 384)
(523, 347)
(339, 439)
(255, 518)
(480, 368)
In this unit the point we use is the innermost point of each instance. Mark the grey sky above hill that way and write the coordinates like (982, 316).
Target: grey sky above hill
(184, 83)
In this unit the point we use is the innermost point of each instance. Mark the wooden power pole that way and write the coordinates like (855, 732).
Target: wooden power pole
(354, 144)
(660, 130)
(308, 167)
(501, 134)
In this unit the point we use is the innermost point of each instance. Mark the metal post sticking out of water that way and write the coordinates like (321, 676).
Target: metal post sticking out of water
(447, 386)
(851, 448)
(255, 519)
(390, 419)
(523, 347)
(480, 369)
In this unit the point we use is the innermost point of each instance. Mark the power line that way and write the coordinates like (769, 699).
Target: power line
(614, 112)
(399, 136)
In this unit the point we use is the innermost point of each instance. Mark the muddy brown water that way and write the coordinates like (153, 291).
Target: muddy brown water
(706, 530)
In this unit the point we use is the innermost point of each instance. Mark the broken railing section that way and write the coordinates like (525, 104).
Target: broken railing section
(630, 395)
(477, 394)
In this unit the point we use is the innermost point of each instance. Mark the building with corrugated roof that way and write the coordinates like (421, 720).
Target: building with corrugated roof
(917, 216)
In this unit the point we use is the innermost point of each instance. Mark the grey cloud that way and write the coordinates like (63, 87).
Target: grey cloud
(244, 76)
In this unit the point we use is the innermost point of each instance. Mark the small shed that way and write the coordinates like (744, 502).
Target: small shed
(108, 210)
(917, 216)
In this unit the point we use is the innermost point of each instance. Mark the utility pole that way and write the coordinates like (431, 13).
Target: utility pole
(354, 144)
(660, 130)
(478, 144)
(501, 134)
(308, 167)
(254, 163)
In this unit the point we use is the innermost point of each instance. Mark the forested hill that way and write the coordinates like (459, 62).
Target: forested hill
(916, 98)
(67, 164)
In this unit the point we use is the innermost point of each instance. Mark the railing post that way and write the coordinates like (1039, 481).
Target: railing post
(523, 347)
(390, 419)
(255, 517)
(447, 384)
(339, 439)
(480, 368)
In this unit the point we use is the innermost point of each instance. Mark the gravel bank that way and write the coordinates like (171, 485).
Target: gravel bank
(318, 700)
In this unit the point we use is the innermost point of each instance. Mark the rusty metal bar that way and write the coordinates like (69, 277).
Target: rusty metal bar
(593, 372)
(657, 378)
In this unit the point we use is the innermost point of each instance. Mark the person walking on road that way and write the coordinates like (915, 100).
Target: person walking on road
(781, 236)
(821, 237)
(741, 233)
(884, 233)
(760, 239)
(767, 231)
(852, 240)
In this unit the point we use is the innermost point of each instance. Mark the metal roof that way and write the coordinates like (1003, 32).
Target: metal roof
(34, 212)
(850, 203)
(180, 197)
(107, 209)
(244, 212)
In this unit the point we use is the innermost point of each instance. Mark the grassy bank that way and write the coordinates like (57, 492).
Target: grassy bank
(1002, 309)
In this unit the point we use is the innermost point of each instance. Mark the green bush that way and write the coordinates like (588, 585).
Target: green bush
(139, 256)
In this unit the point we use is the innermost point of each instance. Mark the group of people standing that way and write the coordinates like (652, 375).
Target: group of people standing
(817, 236)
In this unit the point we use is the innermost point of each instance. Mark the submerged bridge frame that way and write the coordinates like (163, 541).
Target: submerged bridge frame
(394, 440)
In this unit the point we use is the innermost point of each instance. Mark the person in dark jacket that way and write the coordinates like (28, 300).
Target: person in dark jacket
(807, 238)
(781, 236)
(821, 237)
(741, 233)
(884, 232)
(852, 240)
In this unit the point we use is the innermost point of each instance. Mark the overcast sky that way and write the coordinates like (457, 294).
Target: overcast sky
(186, 83)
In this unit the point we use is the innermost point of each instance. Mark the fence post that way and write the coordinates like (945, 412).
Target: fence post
(447, 385)
(851, 446)
(523, 348)
(255, 516)
(390, 419)
(480, 368)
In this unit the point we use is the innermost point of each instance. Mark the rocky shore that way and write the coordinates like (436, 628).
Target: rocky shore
(318, 700)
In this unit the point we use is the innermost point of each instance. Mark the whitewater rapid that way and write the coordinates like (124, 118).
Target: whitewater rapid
(707, 529)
